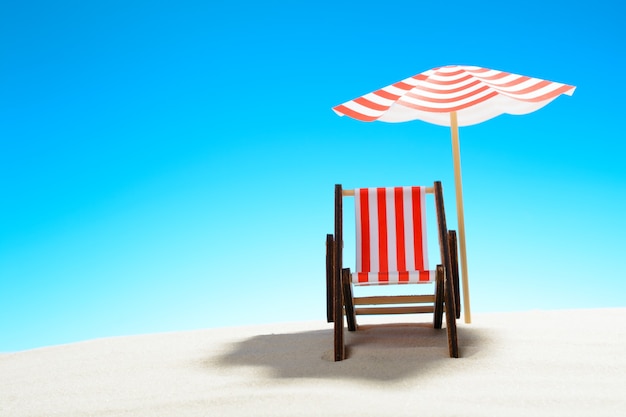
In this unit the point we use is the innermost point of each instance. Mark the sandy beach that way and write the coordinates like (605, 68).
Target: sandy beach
(536, 363)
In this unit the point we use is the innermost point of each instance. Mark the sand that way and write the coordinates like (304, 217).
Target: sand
(537, 363)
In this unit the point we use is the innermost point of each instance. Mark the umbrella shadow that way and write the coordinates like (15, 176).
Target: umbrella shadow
(374, 353)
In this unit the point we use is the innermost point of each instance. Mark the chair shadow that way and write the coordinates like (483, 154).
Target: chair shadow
(374, 352)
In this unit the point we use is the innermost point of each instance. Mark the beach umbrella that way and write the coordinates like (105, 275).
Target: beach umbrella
(455, 95)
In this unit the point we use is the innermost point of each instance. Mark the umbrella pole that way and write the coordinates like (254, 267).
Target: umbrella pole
(456, 157)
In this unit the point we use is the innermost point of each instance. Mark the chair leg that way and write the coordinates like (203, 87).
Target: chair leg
(453, 345)
(337, 265)
(338, 315)
(348, 300)
(439, 296)
(338, 336)
(450, 303)
(329, 278)
(454, 258)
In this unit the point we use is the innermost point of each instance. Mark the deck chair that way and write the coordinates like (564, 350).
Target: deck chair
(391, 248)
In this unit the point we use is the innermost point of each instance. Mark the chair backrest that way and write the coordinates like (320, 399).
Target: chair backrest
(391, 240)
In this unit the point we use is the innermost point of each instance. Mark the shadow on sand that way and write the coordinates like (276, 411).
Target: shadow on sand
(374, 352)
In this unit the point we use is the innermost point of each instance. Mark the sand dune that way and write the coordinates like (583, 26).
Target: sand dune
(538, 363)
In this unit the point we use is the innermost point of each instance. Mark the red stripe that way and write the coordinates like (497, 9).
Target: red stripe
(417, 228)
(365, 232)
(386, 94)
(402, 85)
(424, 276)
(383, 262)
(420, 77)
(370, 104)
(400, 247)
(354, 114)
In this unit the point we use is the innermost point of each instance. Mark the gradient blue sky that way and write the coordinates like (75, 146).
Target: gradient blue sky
(170, 165)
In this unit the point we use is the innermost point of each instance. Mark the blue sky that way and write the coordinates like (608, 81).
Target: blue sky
(170, 165)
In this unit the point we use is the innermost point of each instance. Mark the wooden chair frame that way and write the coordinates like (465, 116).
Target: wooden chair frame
(340, 300)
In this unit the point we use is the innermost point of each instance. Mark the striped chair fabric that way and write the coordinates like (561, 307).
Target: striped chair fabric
(391, 242)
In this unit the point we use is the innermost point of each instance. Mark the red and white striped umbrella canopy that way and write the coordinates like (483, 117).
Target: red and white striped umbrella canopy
(476, 94)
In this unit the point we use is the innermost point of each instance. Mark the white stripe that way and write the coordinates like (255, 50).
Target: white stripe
(373, 212)
(392, 256)
(408, 229)
(359, 235)
(424, 234)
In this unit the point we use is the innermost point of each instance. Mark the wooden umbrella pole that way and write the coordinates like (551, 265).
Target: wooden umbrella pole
(456, 157)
